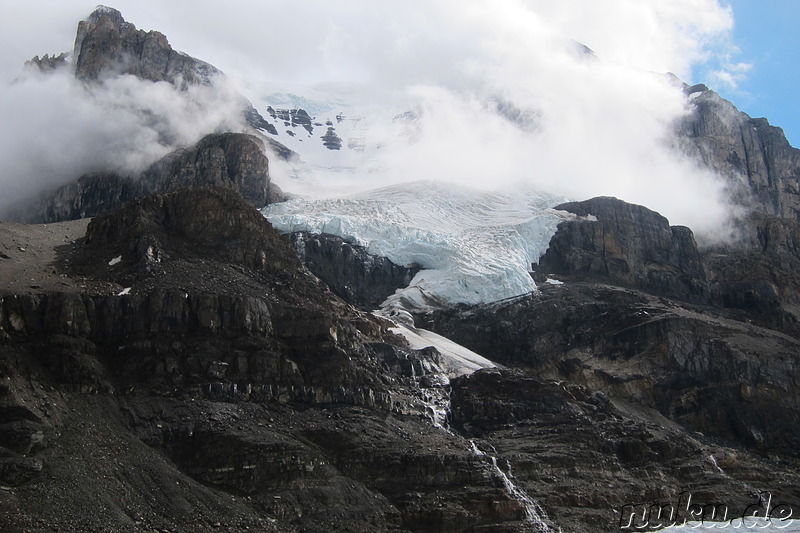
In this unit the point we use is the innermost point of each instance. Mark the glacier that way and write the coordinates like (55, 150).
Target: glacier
(474, 246)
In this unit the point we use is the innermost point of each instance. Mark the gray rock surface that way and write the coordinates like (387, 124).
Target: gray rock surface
(188, 353)
(359, 278)
(763, 169)
(628, 245)
(232, 160)
(107, 45)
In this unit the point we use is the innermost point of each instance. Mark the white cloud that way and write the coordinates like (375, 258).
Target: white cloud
(603, 121)
(55, 129)
(730, 74)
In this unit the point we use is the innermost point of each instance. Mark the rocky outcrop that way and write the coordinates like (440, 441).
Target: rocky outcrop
(293, 118)
(361, 279)
(762, 168)
(754, 271)
(628, 245)
(760, 278)
(232, 160)
(607, 464)
(48, 63)
(107, 45)
(696, 366)
(330, 140)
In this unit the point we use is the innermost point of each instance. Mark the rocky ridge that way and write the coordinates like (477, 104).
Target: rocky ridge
(628, 245)
(232, 160)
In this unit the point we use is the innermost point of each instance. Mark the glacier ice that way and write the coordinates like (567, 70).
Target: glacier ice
(474, 246)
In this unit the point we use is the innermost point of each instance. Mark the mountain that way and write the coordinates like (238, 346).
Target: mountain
(200, 355)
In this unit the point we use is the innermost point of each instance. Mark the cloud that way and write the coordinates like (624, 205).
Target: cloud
(603, 121)
(55, 128)
(730, 74)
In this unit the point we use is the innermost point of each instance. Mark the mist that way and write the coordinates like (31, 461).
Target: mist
(56, 129)
(601, 120)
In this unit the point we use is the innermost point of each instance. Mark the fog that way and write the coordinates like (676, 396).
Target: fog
(55, 129)
(602, 119)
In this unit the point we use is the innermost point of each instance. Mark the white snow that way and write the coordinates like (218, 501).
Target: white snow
(456, 359)
(123, 292)
(474, 246)
(114, 261)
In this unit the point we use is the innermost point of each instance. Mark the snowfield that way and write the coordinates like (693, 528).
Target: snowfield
(474, 246)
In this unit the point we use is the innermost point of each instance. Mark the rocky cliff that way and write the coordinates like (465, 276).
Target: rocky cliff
(181, 349)
(186, 352)
(107, 45)
(358, 277)
(172, 365)
(762, 167)
(231, 160)
(628, 245)
(755, 271)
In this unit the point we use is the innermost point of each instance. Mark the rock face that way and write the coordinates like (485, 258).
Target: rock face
(106, 44)
(231, 160)
(330, 140)
(359, 278)
(696, 366)
(607, 464)
(293, 118)
(628, 245)
(741, 147)
(190, 354)
(756, 272)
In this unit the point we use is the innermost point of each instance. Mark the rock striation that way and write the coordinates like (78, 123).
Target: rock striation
(628, 245)
(189, 353)
(696, 366)
(358, 277)
(763, 168)
(107, 45)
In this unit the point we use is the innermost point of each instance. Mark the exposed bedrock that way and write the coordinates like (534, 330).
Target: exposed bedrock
(360, 278)
(629, 245)
(232, 160)
(712, 374)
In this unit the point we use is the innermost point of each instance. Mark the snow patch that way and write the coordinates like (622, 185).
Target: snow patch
(116, 260)
(456, 359)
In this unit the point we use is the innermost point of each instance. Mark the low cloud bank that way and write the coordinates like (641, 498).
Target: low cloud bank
(55, 128)
(598, 121)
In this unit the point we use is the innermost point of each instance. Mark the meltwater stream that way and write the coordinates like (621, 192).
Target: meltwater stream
(534, 514)
(433, 388)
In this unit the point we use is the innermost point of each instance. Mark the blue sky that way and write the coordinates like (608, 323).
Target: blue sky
(767, 37)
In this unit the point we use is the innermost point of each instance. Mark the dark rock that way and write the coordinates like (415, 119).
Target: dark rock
(331, 141)
(361, 279)
(713, 374)
(227, 379)
(628, 245)
(231, 160)
(293, 117)
(107, 45)
(762, 168)
(48, 63)
(597, 461)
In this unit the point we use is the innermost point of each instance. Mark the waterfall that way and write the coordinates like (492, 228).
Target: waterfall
(534, 514)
